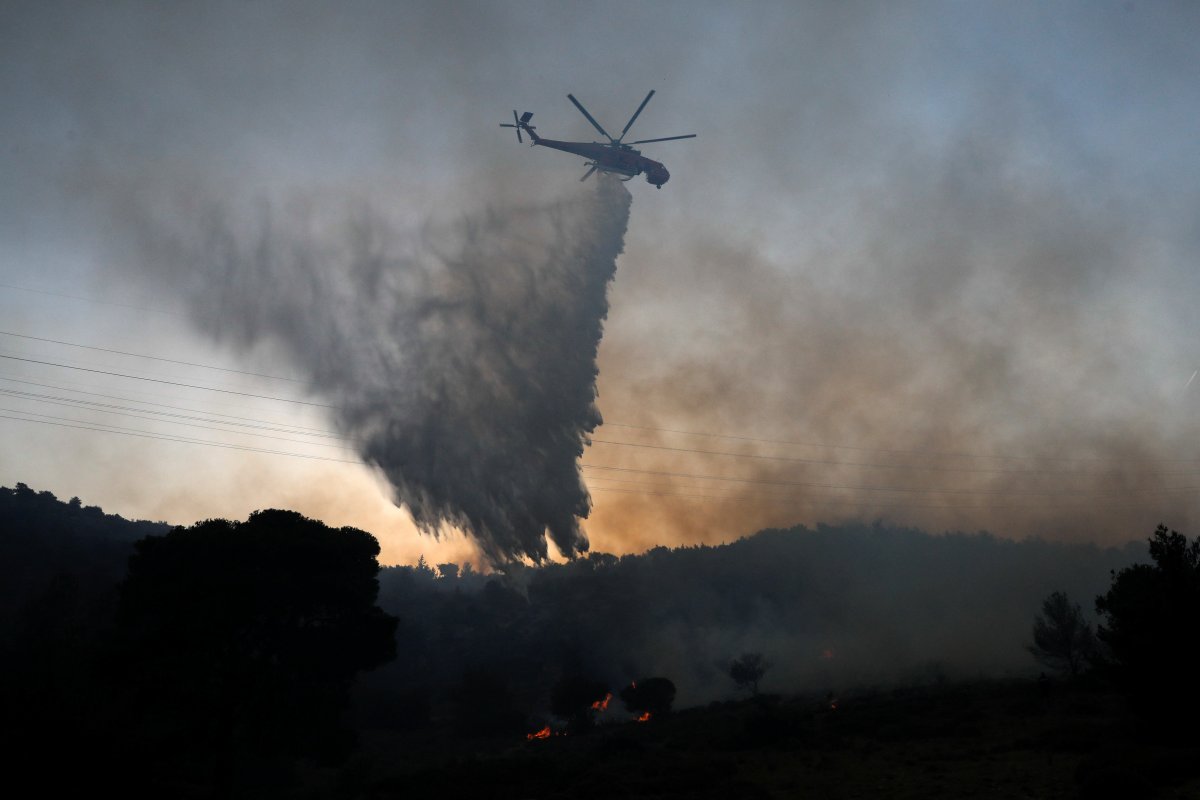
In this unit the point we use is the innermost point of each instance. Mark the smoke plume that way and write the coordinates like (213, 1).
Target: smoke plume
(460, 360)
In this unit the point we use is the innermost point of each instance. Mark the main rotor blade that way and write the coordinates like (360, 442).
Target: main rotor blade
(584, 111)
(629, 124)
(664, 139)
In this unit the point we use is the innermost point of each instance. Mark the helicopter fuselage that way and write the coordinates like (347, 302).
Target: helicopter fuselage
(606, 158)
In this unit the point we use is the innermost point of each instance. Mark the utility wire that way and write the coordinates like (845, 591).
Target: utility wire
(757, 456)
(805, 484)
(65, 422)
(168, 383)
(133, 415)
(899, 489)
(297, 428)
(151, 358)
(102, 428)
(907, 467)
(886, 451)
(652, 428)
(89, 299)
(104, 408)
(795, 499)
(705, 434)
(783, 459)
(641, 445)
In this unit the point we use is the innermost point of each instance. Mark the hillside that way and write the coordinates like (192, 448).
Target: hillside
(1007, 739)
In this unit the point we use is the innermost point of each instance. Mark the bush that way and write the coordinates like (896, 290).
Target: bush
(1063, 640)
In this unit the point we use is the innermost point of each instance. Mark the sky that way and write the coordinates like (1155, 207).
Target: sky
(932, 263)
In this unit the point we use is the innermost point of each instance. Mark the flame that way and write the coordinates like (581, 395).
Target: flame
(645, 717)
(602, 705)
(544, 733)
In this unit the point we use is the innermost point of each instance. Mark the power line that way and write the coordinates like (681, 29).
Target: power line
(886, 451)
(782, 499)
(897, 489)
(786, 459)
(152, 358)
(656, 429)
(297, 428)
(103, 408)
(830, 462)
(89, 300)
(168, 383)
(161, 437)
(705, 434)
(66, 402)
(63, 422)
(66, 422)
(758, 456)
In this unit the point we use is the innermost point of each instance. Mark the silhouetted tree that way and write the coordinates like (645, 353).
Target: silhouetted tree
(649, 695)
(244, 638)
(748, 670)
(1152, 627)
(1062, 639)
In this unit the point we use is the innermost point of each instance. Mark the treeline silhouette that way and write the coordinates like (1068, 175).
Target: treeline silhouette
(219, 654)
(44, 538)
(829, 608)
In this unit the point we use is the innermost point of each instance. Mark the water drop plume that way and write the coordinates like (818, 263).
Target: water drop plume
(459, 358)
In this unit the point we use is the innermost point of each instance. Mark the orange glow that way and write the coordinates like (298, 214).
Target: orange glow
(645, 717)
(827, 654)
(602, 705)
(544, 733)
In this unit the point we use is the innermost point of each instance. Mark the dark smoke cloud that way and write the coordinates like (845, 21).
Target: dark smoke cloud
(984, 343)
(460, 360)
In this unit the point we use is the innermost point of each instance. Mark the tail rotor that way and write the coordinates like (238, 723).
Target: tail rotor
(519, 123)
(516, 124)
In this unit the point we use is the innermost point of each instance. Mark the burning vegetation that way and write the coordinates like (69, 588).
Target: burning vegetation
(650, 697)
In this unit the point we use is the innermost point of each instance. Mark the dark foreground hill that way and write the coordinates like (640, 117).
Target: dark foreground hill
(1001, 739)
(897, 661)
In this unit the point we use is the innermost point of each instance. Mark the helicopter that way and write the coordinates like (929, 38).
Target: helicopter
(614, 157)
